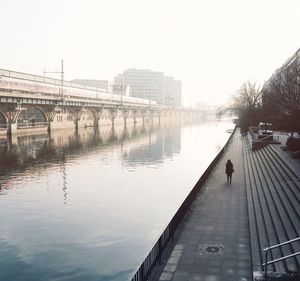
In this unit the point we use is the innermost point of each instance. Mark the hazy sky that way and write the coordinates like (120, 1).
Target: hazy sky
(211, 46)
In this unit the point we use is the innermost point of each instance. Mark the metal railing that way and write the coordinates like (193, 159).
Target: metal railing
(266, 250)
(154, 257)
(259, 143)
(32, 125)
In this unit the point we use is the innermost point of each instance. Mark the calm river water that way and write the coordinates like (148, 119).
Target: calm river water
(90, 205)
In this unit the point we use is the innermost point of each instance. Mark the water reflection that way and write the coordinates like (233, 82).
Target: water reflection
(140, 145)
(89, 205)
(153, 149)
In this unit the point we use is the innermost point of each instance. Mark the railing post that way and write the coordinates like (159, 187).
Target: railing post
(266, 263)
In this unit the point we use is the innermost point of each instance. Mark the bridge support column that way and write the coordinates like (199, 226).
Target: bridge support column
(50, 115)
(150, 115)
(12, 114)
(134, 114)
(143, 116)
(113, 114)
(77, 116)
(12, 129)
(98, 114)
(125, 114)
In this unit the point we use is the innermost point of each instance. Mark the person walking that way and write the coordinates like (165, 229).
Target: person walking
(229, 170)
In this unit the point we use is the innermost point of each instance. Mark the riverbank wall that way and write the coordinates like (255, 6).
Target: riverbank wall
(154, 257)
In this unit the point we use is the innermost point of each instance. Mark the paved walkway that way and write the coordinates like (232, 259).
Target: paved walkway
(213, 243)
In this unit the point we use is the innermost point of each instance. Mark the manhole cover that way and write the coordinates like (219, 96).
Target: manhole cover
(213, 249)
(208, 249)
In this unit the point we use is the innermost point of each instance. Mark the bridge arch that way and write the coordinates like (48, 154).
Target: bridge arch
(106, 118)
(62, 117)
(87, 118)
(31, 117)
(66, 114)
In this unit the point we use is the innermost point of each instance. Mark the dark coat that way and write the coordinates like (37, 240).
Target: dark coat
(229, 168)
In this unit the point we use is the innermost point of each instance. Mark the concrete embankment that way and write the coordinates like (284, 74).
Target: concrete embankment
(222, 235)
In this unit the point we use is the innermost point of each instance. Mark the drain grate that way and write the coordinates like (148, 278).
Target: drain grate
(210, 249)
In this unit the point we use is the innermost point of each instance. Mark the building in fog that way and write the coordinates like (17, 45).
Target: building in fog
(148, 84)
(177, 93)
(172, 92)
(102, 84)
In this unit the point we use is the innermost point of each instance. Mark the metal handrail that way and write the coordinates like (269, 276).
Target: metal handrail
(266, 250)
(265, 138)
(263, 141)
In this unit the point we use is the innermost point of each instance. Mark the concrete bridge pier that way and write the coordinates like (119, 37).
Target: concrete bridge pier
(125, 113)
(12, 129)
(12, 140)
(50, 115)
(113, 114)
(98, 114)
(11, 114)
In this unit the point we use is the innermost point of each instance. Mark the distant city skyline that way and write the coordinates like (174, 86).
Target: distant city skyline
(211, 46)
(149, 84)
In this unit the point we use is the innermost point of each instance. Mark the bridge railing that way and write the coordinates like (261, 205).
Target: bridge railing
(31, 125)
(154, 257)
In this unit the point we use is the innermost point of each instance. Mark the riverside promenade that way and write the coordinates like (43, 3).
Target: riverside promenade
(221, 237)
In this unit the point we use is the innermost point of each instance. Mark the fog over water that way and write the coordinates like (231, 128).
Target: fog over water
(89, 205)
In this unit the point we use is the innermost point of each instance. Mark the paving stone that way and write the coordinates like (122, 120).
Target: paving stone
(166, 276)
(212, 278)
(181, 276)
(179, 247)
(170, 267)
(173, 260)
(176, 253)
(197, 277)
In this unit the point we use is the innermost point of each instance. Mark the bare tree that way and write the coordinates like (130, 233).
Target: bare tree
(247, 104)
(248, 97)
(281, 94)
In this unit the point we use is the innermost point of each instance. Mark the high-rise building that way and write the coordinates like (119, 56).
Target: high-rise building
(177, 93)
(172, 92)
(148, 84)
(169, 90)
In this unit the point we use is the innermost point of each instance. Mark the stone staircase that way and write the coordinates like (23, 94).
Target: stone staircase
(273, 197)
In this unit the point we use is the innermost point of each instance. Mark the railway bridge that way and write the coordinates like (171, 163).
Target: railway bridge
(31, 103)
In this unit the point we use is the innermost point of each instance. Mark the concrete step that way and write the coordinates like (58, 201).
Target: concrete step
(254, 235)
(293, 164)
(266, 226)
(273, 206)
(280, 204)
